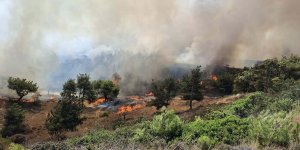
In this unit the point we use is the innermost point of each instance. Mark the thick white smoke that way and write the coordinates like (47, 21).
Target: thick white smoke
(50, 41)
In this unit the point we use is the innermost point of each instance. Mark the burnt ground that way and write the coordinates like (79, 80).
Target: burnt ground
(35, 119)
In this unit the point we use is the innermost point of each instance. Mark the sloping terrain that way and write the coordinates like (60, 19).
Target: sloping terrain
(36, 131)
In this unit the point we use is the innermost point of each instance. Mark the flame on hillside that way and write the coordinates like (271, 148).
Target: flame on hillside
(214, 77)
(129, 108)
(135, 98)
(32, 99)
(98, 102)
(149, 94)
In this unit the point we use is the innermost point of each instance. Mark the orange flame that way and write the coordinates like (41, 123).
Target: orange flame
(135, 98)
(213, 77)
(98, 101)
(149, 94)
(125, 109)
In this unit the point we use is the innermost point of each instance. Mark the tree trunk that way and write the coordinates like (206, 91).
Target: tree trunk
(124, 116)
(191, 104)
(105, 98)
(82, 99)
(20, 98)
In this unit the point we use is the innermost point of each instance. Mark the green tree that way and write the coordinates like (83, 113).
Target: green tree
(225, 82)
(85, 88)
(69, 89)
(14, 118)
(21, 86)
(268, 75)
(163, 91)
(105, 88)
(244, 82)
(65, 116)
(191, 88)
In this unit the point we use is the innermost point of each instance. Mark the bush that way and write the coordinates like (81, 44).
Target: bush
(274, 129)
(14, 118)
(51, 146)
(229, 130)
(217, 114)
(166, 125)
(206, 142)
(92, 137)
(250, 105)
(14, 146)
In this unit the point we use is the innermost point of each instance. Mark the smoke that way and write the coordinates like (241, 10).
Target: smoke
(51, 41)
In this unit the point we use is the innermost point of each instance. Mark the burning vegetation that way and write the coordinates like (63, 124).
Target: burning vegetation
(123, 110)
(214, 77)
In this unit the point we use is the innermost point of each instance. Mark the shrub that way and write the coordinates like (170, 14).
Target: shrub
(250, 105)
(14, 146)
(217, 114)
(51, 146)
(206, 142)
(274, 129)
(92, 137)
(229, 130)
(166, 125)
(14, 118)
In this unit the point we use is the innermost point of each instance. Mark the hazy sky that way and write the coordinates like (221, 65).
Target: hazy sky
(50, 41)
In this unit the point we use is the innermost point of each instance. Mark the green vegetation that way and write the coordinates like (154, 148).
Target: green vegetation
(14, 146)
(261, 118)
(268, 117)
(69, 89)
(163, 91)
(190, 86)
(105, 88)
(14, 118)
(64, 117)
(85, 88)
(22, 86)
(269, 75)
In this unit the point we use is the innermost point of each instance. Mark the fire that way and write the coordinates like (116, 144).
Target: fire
(149, 94)
(135, 98)
(98, 101)
(213, 77)
(32, 99)
(129, 108)
(28, 100)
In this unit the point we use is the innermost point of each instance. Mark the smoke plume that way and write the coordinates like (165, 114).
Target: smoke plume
(51, 41)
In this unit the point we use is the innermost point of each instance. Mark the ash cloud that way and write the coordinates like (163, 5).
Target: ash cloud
(50, 41)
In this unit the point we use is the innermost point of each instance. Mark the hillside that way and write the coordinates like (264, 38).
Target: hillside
(35, 120)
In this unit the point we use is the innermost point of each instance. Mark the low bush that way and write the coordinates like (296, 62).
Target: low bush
(229, 130)
(14, 146)
(166, 125)
(92, 137)
(51, 146)
(274, 129)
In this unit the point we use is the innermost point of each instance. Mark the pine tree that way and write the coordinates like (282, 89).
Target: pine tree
(14, 118)
(65, 116)
(191, 88)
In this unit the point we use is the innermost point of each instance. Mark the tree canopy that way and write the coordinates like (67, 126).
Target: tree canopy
(22, 86)
(85, 87)
(163, 91)
(14, 118)
(65, 116)
(190, 86)
(268, 75)
(69, 89)
(105, 88)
